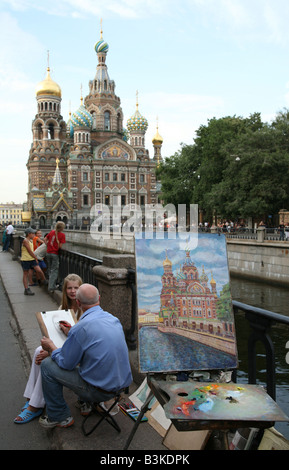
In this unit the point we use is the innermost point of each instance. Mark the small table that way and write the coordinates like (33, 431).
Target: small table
(193, 406)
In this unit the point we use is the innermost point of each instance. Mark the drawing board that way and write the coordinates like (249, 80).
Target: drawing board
(49, 324)
(185, 314)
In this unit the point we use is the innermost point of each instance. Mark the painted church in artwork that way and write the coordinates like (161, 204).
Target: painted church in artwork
(189, 303)
(90, 159)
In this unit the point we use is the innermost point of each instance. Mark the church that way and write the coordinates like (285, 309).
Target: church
(90, 160)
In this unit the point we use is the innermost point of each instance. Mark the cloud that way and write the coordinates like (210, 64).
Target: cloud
(130, 9)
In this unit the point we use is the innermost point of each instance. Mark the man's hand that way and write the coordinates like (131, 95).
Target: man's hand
(65, 327)
(48, 345)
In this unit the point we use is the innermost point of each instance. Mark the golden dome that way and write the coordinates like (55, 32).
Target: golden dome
(48, 87)
(157, 138)
(167, 262)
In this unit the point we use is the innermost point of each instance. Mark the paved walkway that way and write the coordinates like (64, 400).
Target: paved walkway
(24, 309)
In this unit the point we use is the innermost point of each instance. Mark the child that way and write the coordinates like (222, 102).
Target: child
(29, 260)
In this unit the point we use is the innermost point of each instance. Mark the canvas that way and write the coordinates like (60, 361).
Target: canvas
(49, 324)
(185, 315)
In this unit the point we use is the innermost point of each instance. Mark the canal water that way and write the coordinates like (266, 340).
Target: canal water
(268, 297)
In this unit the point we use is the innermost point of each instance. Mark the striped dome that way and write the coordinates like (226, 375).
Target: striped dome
(81, 117)
(101, 46)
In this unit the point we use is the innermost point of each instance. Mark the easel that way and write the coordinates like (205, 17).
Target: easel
(198, 411)
(159, 389)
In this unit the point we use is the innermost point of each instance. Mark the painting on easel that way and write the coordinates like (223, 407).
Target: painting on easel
(185, 315)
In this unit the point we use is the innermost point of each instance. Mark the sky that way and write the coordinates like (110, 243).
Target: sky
(190, 61)
(150, 255)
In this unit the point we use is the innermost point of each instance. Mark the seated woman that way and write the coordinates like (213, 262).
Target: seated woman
(33, 391)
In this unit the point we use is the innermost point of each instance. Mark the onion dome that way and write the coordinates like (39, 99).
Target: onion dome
(157, 138)
(137, 122)
(82, 117)
(101, 46)
(48, 87)
(204, 277)
(167, 262)
(213, 282)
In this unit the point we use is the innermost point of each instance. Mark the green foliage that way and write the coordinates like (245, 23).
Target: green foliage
(237, 167)
(224, 304)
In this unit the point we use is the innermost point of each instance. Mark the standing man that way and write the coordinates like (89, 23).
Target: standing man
(9, 233)
(93, 361)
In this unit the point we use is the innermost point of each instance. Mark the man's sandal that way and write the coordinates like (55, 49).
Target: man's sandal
(27, 415)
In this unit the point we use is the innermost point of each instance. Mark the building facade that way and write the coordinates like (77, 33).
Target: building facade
(10, 212)
(90, 160)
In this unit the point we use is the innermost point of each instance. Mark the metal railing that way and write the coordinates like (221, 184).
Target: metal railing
(73, 262)
(260, 322)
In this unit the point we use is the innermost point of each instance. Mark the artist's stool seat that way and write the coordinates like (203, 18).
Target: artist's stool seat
(103, 413)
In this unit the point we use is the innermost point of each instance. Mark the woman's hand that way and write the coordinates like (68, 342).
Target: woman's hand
(39, 358)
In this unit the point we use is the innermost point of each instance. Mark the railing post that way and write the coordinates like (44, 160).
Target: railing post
(261, 327)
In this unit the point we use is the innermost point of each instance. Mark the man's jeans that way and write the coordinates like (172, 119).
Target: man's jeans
(7, 242)
(53, 265)
(53, 380)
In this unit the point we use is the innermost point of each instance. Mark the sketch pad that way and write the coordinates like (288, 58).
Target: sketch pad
(49, 324)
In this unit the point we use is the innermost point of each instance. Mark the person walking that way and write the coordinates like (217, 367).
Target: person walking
(9, 233)
(54, 240)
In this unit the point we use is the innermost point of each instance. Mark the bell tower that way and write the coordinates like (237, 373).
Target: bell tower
(102, 102)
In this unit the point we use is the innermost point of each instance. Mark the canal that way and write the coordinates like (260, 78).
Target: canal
(262, 295)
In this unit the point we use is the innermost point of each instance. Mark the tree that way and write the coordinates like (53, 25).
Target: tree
(177, 175)
(256, 183)
(236, 168)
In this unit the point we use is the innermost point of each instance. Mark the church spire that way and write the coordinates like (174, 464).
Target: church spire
(57, 179)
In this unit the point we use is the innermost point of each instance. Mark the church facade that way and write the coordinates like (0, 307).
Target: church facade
(90, 160)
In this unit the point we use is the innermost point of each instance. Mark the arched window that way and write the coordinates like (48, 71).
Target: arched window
(39, 135)
(107, 121)
(51, 131)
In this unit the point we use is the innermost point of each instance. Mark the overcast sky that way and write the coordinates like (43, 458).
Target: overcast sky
(190, 61)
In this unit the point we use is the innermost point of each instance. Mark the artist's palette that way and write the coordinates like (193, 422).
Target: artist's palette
(219, 401)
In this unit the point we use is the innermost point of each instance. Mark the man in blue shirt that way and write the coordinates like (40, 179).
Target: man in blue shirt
(93, 361)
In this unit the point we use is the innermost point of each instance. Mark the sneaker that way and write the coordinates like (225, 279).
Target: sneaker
(112, 412)
(28, 292)
(46, 423)
(85, 408)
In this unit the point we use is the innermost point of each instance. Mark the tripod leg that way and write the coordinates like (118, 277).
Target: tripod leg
(143, 410)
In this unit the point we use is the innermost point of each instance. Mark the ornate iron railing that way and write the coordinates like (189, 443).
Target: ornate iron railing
(261, 322)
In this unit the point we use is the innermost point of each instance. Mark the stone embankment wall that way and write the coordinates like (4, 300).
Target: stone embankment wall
(265, 261)
(222, 344)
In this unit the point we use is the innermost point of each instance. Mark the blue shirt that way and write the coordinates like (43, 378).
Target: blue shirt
(97, 344)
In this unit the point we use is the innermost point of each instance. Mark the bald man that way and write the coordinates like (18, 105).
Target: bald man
(93, 361)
